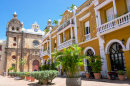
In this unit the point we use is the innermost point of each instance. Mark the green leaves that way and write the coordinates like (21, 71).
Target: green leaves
(71, 7)
(95, 63)
(55, 22)
(46, 31)
(71, 59)
(22, 61)
(62, 14)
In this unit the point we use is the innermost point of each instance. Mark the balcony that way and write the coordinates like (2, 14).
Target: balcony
(45, 52)
(87, 36)
(111, 25)
(66, 44)
(68, 22)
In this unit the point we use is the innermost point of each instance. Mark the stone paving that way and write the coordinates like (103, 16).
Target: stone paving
(7, 81)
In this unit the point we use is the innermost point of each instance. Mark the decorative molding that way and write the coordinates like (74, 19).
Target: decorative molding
(85, 16)
(128, 44)
(89, 48)
(110, 43)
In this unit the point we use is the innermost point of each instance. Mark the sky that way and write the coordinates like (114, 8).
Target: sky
(29, 11)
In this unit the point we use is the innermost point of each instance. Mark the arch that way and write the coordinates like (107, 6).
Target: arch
(17, 29)
(86, 49)
(128, 44)
(110, 43)
(12, 28)
(35, 65)
(89, 48)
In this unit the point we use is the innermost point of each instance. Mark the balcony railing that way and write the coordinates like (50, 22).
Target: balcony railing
(87, 37)
(114, 23)
(46, 52)
(66, 44)
(65, 24)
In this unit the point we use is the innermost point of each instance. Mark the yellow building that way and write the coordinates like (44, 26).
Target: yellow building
(101, 27)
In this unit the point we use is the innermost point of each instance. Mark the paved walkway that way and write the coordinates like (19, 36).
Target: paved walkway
(7, 81)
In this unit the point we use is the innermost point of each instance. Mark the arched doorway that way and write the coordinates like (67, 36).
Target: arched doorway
(117, 57)
(35, 65)
(89, 51)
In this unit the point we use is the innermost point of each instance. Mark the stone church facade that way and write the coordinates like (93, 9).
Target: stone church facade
(22, 43)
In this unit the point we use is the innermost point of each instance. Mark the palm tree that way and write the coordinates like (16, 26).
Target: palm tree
(55, 22)
(71, 7)
(62, 14)
(71, 59)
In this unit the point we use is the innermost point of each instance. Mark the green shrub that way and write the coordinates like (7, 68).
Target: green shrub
(12, 73)
(27, 74)
(45, 75)
(121, 72)
(20, 74)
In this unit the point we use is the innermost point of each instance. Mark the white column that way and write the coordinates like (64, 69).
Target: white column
(42, 62)
(75, 31)
(64, 35)
(59, 39)
(96, 18)
(99, 18)
(42, 48)
(102, 54)
(115, 11)
(71, 33)
(47, 45)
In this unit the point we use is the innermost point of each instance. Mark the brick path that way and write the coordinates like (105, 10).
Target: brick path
(7, 81)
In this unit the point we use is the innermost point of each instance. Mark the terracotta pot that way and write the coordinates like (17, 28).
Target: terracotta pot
(32, 79)
(109, 77)
(121, 77)
(28, 77)
(97, 75)
(45, 82)
(73, 81)
(23, 77)
(88, 75)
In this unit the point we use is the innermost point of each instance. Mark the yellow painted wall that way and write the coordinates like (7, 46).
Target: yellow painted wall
(81, 24)
(94, 44)
(103, 12)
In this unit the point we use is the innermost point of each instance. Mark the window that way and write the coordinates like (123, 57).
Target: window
(13, 57)
(17, 29)
(35, 43)
(12, 28)
(0, 58)
(14, 44)
(110, 14)
(55, 44)
(14, 38)
(87, 28)
(13, 65)
(0, 47)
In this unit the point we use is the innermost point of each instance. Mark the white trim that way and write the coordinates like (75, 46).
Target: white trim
(110, 43)
(85, 52)
(128, 44)
(54, 36)
(85, 8)
(53, 31)
(69, 26)
(89, 48)
(88, 41)
(102, 4)
(117, 28)
(85, 16)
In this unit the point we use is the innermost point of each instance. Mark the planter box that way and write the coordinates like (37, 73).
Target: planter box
(73, 81)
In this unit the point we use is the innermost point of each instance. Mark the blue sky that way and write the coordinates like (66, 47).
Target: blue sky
(30, 11)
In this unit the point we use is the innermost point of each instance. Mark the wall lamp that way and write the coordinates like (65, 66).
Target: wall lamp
(123, 41)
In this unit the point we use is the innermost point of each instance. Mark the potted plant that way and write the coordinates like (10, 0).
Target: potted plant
(27, 75)
(71, 59)
(96, 64)
(121, 75)
(87, 74)
(32, 78)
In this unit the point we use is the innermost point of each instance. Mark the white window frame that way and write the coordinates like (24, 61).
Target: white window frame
(87, 25)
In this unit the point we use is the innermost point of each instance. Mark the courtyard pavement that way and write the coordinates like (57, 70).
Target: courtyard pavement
(7, 81)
